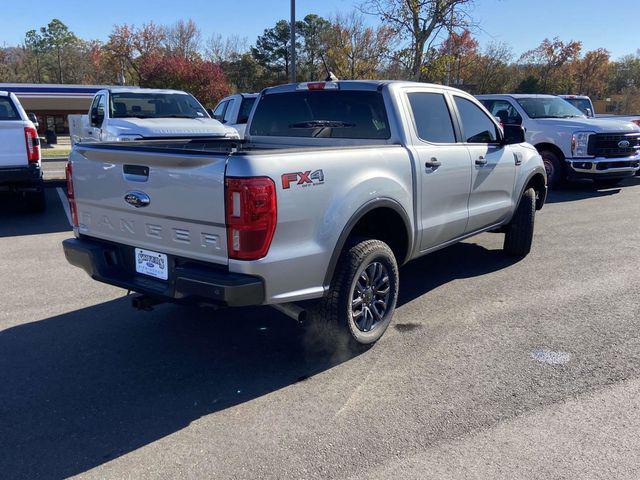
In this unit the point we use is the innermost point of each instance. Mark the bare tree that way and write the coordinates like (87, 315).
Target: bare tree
(420, 22)
(184, 39)
(220, 49)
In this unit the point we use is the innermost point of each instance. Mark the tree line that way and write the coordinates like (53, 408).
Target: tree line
(421, 40)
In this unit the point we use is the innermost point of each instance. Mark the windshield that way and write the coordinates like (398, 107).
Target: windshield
(548, 107)
(322, 114)
(155, 105)
(581, 104)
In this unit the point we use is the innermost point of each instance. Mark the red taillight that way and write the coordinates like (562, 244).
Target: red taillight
(33, 144)
(71, 194)
(251, 212)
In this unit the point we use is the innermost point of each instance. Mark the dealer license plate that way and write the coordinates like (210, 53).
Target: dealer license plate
(152, 263)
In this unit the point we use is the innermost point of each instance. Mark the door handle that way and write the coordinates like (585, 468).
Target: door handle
(432, 164)
(481, 161)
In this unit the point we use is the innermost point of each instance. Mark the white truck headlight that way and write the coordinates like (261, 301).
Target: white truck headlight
(128, 138)
(580, 144)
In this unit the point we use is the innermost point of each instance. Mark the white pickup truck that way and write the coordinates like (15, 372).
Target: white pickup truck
(234, 110)
(20, 161)
(126, 114)
(336, 185)
(571, 145)
(585, 105)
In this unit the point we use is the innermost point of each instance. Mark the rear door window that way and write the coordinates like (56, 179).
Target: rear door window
(227, 114)
(245, 109)
(432, 118)
(477, 127)
(322, 114)
(218, 113)
(8, 110)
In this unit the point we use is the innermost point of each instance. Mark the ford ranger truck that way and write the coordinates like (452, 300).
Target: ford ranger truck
(124, 114)
(336, 186)
(20, 160)
(572, 146)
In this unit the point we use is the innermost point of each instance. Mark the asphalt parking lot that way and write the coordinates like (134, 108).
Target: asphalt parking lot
(492, 368)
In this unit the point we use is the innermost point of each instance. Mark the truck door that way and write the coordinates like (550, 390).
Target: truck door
(443, 169)
(96, 118)
(493, 166)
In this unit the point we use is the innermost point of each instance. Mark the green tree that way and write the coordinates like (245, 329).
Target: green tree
(272, 49)
(35, 48)
(314, 30)
(57, 40)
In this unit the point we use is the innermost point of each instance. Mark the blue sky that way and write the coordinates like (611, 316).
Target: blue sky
(521, 23)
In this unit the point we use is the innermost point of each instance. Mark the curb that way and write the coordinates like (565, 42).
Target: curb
(55, 159)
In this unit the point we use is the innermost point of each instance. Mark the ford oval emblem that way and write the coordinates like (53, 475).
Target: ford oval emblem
(624, 144)
(137, 199)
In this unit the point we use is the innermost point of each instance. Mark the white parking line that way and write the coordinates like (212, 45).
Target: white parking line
(65, 203)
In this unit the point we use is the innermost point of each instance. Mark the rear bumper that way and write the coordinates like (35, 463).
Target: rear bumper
(189, 281)
(30, 175)
(601, 168)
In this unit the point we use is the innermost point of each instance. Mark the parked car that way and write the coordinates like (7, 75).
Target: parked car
(127, 114)
(337, 185)
(20, 160)
(571, 145)
(585, 105)
(234, 110)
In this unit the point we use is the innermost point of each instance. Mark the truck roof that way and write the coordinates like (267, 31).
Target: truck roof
(517, 95)
(143, 90)
(357, 85)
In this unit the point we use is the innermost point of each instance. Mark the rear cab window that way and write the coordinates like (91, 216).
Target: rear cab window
(8, 110)
(432, 117)
(349, 114)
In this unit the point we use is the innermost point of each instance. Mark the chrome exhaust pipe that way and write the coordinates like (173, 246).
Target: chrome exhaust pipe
(292, 310)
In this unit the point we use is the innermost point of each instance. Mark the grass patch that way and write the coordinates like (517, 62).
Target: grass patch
(55, 152)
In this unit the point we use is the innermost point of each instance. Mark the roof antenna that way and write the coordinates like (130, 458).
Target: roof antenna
(330, 76)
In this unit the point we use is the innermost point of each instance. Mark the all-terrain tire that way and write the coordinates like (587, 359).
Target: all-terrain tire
(332, 322)
(519, 236)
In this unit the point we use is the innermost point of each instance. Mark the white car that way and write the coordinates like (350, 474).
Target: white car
(127, 114)
(571, 145)
(234, 110)
(20, 160)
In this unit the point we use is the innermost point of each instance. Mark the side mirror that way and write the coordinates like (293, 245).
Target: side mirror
(588, 112)
(96, 119)
(513, 134)
(209, 111)
(34, 119)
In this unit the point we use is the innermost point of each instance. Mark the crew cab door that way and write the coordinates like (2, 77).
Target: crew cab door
(443, 168)
(493, 166)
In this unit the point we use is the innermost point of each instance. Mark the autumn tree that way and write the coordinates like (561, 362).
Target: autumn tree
(356, 51)
(203, 79)
(551, 62)
(592, 72)
(420, 23)
(492, 71)
(461, 51)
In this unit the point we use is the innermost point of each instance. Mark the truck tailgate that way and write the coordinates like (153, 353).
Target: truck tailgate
(170, 203)
(13, 146)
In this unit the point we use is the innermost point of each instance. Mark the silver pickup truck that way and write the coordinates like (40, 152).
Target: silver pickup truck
(335, 186)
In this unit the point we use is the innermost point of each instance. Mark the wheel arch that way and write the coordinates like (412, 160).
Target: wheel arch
(390, 209)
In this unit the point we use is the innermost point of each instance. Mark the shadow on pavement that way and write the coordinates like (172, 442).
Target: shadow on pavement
(583, 190)
(15, 221)
(88, 386)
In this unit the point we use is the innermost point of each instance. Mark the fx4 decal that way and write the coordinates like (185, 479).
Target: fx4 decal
(304, 179)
